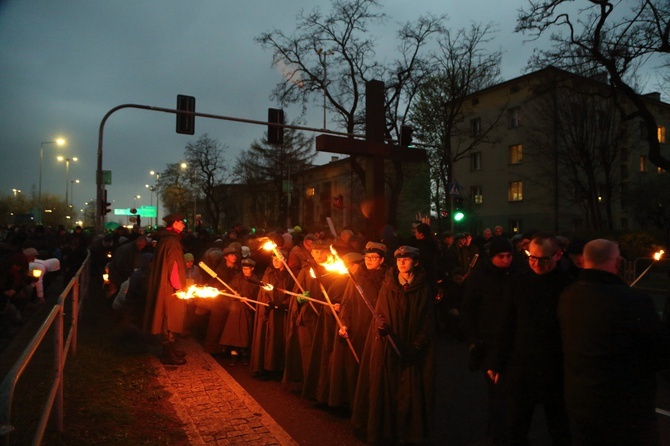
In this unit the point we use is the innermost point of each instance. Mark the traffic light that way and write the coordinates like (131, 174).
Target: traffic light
(185, 123)
(106, 206)
(275, 132)
(458, 213)
(406, 136)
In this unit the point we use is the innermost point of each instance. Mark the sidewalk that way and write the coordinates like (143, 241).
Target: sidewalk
(215, 410)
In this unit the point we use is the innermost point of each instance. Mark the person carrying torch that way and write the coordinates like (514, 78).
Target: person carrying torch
(356, 319)
(268, 345)
(165, 313)
(394, 394)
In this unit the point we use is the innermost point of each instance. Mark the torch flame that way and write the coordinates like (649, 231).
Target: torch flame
(268, 287)
(105, 277)
(194, 291)
(37, 273)
(335, 263)
(269, 245)
(658, 255)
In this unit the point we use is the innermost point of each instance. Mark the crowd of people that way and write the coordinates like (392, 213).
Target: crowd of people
(547, 321)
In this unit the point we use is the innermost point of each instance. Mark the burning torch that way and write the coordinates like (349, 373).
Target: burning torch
(657, 257)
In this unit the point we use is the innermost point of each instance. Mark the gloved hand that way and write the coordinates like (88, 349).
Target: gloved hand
(382, 326)
(301, 300)
(342, 332)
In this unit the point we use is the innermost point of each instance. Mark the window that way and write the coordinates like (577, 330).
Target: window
(310, 192)
(515, 226)
(514, 115)
(476, 161)
(661, 134)
(475, 126)
(476, 194)
(515, 191)
(643, 163)
(515, 153)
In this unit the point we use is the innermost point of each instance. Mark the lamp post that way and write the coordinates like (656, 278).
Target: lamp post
(153, 172)
(67, 174)
(151, 198)
(59, 142)
(72, 183)
(325, 54)
(184, 166)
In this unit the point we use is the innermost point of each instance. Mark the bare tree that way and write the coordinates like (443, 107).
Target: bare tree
(463, 68)
(207, 166)
(173, 187)
(331, 56)
(616, 36)
(578, 138)
(265, 163)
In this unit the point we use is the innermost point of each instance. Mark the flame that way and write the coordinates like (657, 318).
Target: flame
(335, 263)
(658, 255)
(194, 291)
(268, 287)
(312, 273)
(109, 255)
(37, 273)
(105, 277)
(269, 245)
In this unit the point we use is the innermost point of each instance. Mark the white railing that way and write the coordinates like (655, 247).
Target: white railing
(77, 289)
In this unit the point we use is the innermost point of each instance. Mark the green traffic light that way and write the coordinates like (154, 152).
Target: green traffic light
(458, 216)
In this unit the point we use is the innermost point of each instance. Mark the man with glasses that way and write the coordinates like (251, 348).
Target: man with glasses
(528, 360)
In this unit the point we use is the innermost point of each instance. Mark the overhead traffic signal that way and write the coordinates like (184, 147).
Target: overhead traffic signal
(406, 136)
(106, 207)
(185, 122)
(275, 132)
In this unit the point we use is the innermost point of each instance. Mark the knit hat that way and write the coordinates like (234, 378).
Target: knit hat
(499, 245)
(188, 257)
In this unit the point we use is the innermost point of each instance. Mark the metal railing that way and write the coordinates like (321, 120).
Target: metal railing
(77, 289)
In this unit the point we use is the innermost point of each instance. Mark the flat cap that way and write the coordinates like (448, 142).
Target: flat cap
(171, 218)
(321, 244)
(375, 247)
(406, 251)
(248, 262)
(229, 250)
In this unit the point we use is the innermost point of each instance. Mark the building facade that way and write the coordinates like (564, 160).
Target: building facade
(558, 156)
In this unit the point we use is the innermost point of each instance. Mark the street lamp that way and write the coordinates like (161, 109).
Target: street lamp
(59, 142)
(184, 166)
(72, 182)
(151, 198)
(153, 172)
(67, 173)
(16, 191)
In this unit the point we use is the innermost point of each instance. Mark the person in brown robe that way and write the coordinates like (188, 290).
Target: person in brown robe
(356, 319)
(220, 307)
(165, 313)
(395, 392)
(268, 345)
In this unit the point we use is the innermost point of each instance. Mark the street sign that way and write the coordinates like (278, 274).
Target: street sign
(107, 177)
(454, 189)
(142, 211)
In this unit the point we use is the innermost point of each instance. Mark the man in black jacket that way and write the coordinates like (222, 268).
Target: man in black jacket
(529, 358)
(614, 344)
(481, 310)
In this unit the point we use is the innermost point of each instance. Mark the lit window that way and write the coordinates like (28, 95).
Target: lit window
(515, 154)
(661, 134)
(476, 161)
(476, 194)
(310, 192)
(515, 191)
(514, 117)
(475, 126)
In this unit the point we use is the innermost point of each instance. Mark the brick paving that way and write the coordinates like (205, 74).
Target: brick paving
(215, 410)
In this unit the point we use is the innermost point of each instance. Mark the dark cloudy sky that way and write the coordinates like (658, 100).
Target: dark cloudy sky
(65, 64)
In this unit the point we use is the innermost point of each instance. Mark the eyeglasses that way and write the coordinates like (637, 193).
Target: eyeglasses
(544, 259)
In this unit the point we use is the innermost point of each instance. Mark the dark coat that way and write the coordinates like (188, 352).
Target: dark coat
(614, 344)
(483, 303)
(268, 347)
(239, 323)
(164, 311)
(529, 354)
(394, 395)
(356, 316)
